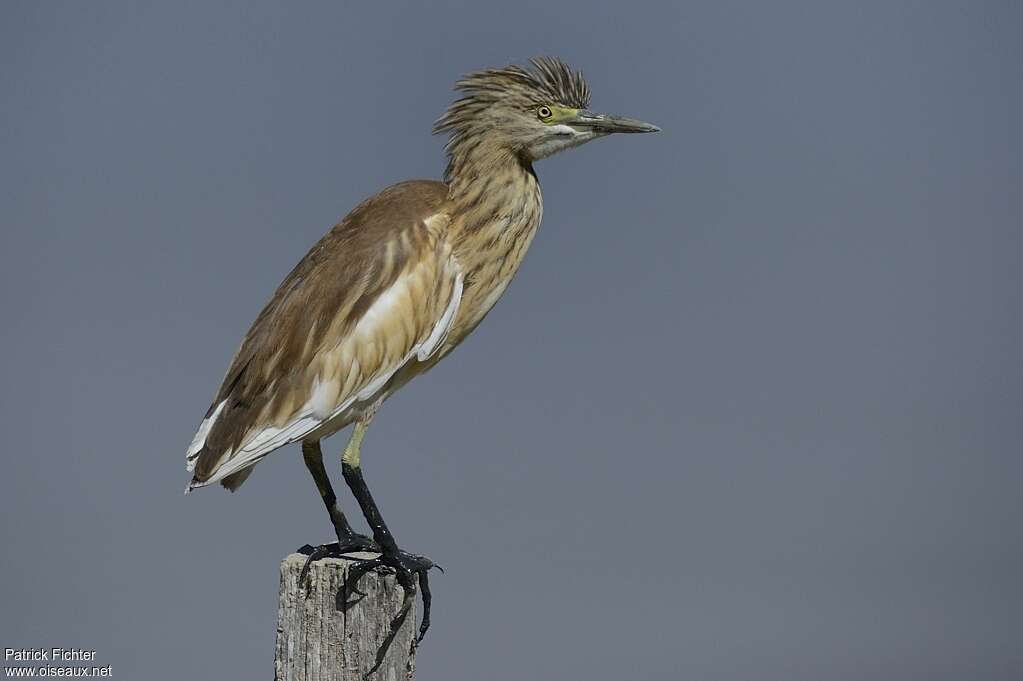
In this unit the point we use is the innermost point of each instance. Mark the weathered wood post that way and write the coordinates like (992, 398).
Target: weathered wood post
(327, 632)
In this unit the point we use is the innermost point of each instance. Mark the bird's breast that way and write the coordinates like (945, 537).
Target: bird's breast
(490, 256)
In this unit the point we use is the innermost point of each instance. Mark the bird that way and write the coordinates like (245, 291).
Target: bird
(391, 290)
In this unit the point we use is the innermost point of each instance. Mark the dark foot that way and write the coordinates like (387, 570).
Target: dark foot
(354, 544)
(406, 566)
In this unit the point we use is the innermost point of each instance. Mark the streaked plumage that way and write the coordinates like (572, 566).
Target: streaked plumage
(312, 361)
(380, 291)
(393, 288)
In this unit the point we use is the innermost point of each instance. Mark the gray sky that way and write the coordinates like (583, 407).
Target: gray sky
(751, 410)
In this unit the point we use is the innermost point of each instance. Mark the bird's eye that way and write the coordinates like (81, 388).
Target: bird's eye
(544, 112)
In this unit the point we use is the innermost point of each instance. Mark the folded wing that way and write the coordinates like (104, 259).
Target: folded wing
(376, 294)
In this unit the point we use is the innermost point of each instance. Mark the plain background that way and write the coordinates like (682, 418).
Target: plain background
(751, 410)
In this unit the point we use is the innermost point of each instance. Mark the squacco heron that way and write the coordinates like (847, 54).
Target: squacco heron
(393, 288)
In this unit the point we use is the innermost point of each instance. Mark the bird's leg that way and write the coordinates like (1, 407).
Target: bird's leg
(347, 540)
(406, 565)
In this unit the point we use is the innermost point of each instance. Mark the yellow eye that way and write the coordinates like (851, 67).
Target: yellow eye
(544, 112)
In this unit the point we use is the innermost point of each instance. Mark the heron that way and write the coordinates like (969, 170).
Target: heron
(391, 290)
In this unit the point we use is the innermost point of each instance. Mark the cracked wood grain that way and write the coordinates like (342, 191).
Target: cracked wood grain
(326, 632)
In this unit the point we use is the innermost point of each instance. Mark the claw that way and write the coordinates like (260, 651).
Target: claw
(317, 553)
(424, 584)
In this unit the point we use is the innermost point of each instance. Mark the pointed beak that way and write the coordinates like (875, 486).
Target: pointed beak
(607, 124)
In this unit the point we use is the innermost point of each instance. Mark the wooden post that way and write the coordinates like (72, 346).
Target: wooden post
(326, 632)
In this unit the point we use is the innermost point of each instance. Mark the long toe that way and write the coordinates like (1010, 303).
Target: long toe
(313, 554)
(408, 567)
(356, 543)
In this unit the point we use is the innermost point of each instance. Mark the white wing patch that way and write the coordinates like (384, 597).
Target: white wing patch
(440, 330)
(325, 394)
(200, 437)
(322, 404)
(258, 446)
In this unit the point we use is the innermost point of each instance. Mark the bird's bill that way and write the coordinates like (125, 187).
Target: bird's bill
(607, 124)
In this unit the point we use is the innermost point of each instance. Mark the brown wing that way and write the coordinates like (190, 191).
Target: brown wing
(367, 298)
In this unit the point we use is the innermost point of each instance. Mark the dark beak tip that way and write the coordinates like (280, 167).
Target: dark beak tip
(608, 124)
(641, 127)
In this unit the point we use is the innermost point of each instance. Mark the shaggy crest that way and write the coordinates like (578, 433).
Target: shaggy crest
(550, 81)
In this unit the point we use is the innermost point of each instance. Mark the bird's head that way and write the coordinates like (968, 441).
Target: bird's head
(533, 113)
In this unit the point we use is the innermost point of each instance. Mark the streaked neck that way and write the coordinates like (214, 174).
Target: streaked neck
(486, 179)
